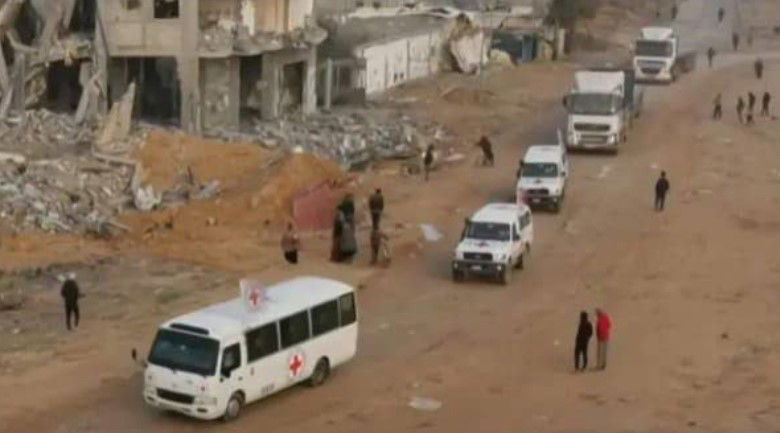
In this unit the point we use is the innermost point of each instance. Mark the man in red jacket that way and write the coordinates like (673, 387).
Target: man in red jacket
(603, 328)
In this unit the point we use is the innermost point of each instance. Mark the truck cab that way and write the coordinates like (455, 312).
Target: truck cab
(495, 240)
(655, 55)
(601, 106)
(544, 170)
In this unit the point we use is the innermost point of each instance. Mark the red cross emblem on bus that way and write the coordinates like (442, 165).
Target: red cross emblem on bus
(296, 365)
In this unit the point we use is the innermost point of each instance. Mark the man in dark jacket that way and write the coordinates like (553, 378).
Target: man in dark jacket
(710, 55)
(751, 102)
(717, 110)
(487, 151)
(376, 205)
(70, 294)
(428, 160)
(347, 207)
(758, 68)
(661, 188)
(603, 331)
(765, 104)
(584, 333)
(740, 109)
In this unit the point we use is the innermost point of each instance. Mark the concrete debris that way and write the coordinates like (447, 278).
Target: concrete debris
(42, 134)
(469, 46)
(352, 139)
(145, 199)
(119, 121)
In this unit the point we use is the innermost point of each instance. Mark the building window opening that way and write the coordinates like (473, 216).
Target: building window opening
(166, 9)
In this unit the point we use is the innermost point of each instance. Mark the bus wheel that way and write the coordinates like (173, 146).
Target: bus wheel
(320, 374)
(233, 407)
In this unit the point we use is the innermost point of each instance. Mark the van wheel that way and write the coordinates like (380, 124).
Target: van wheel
(233, 407)
(505, 276)
(457, 276)
(320, 374)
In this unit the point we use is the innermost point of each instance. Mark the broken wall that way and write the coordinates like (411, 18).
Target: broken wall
(273, 100)
(221, 90)
(277, 16)
(134, 32)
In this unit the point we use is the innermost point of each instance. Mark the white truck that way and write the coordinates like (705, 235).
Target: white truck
(601, 105)
(658, 56)
(496, 239)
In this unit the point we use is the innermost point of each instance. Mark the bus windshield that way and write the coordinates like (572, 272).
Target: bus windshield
(185, 352)
(488, 231)
(654, 48)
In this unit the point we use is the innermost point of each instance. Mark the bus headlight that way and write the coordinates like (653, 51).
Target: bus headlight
(205, 400)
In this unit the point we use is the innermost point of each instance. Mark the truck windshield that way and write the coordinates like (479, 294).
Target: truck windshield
(488, 231)
(185, 352)
(594, 103)
(539, 170)
(654, 48)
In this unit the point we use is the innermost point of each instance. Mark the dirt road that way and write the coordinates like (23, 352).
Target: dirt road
(693, 293)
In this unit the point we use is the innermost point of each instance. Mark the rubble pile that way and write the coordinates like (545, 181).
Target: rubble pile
(352, 139)
(43, 134)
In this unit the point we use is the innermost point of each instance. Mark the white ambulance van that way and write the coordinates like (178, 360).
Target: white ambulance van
(209, 363)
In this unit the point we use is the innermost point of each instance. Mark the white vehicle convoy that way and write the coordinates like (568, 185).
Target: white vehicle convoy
(496, 239)
(209, 363)
(601, 107)
(658, 57)
(544, 170)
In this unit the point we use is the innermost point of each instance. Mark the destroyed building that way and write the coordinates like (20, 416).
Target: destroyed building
(198, 64)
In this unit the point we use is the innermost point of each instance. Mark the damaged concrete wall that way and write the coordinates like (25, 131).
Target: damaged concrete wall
(220, 87)
(274, 76)
(134, 32)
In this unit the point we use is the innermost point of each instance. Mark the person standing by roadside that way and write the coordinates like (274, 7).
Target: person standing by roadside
(765, 104)
(710, 55)
(735, 40)
(751, 102)
(338, 230)
(674, 12)
(721, 14)
(71, 294)
(603, 331)
(428, 160)
(717, 111)
(740, 108)
(488, 159)
(758, 68)
(584, 333)
(290, 245)
(376, 205)
(347, 207)
(661, 188)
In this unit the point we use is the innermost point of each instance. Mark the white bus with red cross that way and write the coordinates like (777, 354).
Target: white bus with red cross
(209, 363)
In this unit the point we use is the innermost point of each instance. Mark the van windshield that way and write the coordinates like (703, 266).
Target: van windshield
(594, 103)
(539, 170)
(185, 352)
(488, 231)
(653, 48)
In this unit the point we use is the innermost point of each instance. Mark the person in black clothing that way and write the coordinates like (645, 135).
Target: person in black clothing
(376, 205)
(428, 160)
(751, 101)
(721, 14)
(347, 207)
(717, 111)
(584, 333)
(740, 108)
(758, 68)
(70, 294)
(735, 40)
(661, 188)
(710, 55)
(487, 151)
(765, 104)
(674, 12)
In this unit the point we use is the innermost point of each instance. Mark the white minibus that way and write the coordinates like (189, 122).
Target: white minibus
(209, 363)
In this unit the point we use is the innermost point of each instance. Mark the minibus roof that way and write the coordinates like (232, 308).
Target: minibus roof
(234, 317)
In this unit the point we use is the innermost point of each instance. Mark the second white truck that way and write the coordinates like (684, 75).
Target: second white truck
(658, 56)
(601, 105)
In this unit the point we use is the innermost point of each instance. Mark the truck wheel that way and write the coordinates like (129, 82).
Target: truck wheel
(457, 276)
(233, 408)
(505, 276)
(320, 374)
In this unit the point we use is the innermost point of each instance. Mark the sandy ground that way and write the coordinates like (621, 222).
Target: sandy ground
(693, 291)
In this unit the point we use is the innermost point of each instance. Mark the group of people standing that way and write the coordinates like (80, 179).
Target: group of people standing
(744, 110)
(585, 333)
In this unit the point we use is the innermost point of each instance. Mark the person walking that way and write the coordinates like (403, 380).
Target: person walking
(71, 294)
(290, 245)
(603, 331)
(428, 160)
(765, 104)
(584, 333)
(487, 151)
(740, 108)
(376, 205)
(674, 12)
(721, 14)
(735, 40)
(751, 102)
(710, 55)
(347, 207)
(338, 230)
(758, 68)
(378, 243)
(717, 111)
(661, 189)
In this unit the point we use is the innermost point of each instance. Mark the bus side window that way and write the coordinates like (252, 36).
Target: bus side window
(261, 342)
(294, 329)
(347, 309)
(231, 359)
(324, 318)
